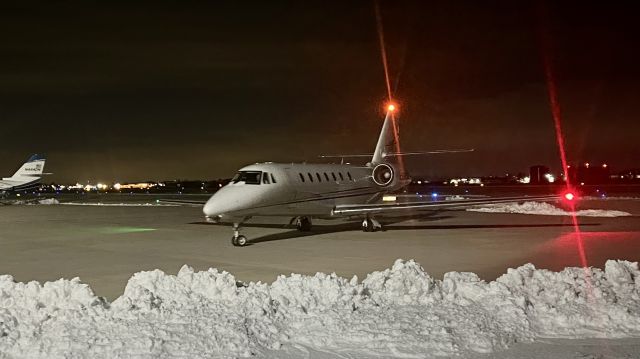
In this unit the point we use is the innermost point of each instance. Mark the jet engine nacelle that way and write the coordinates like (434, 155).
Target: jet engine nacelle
(383, 175)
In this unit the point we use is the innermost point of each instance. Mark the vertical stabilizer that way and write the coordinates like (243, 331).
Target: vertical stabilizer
(387, 140)
(32, 168)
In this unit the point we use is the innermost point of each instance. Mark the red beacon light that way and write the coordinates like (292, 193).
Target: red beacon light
(391, 107)
(569, 196)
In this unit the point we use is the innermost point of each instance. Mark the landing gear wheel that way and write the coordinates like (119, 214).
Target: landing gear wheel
(239, 241)
(303, 224)
(370, 225)
(367, 225)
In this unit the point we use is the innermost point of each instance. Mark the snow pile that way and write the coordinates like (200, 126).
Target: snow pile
(546, 209)
(401, 311)
(48, 201)
(456, 197)
(36, 201)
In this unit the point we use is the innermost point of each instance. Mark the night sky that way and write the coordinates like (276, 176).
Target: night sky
(176, 89)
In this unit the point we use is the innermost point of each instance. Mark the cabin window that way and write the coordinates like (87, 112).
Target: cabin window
(265, 178)
(334, 176)
(273, 179)
(318, 176)
(248, 177)
(326, 176)
(301, 177)
(349, 175)
(341, 176)
(310, 176)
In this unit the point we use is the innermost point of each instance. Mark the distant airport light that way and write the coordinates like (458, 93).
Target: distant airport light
(550, 178)
(434, 195)
(389, 198)
(604, 165)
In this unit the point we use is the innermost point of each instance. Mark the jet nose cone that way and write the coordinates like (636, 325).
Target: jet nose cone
(212, 207)
(220, 203)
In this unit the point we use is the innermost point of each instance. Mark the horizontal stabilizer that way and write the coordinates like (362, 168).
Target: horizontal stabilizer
(433, 152)
(398, 154)
(346, 156)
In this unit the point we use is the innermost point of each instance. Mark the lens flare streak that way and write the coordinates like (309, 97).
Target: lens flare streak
(556, 114)
(383, 51)
(391, 108)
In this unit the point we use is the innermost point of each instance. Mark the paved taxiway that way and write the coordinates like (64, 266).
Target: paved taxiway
(105, 245)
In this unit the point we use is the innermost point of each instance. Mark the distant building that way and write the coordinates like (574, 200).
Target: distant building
(540, 175)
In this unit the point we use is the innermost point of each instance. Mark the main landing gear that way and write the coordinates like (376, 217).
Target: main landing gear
(238, 240)
(370, 225)
(303, 224)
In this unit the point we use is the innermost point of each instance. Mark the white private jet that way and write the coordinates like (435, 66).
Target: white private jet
(304, 191)
(28, 176)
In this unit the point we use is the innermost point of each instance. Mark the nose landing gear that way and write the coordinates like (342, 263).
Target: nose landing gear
(238, 240)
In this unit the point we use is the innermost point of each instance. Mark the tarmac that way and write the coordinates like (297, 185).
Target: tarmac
(106, 245)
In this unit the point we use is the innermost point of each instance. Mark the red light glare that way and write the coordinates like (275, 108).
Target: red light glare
(391, 107)
(569, 196)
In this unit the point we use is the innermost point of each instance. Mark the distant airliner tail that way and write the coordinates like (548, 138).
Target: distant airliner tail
(32, 168)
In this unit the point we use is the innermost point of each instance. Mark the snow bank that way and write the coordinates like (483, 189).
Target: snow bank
(48, 201)
(541, 208)
(36, 201)
(401, 312)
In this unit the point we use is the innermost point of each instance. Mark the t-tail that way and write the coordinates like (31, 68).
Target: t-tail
(34, 167)
(387, 141)
(28, 175)
(388, 148)
(388, 170)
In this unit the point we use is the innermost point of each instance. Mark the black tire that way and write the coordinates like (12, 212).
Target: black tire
(241, 241)
(303, 224)
(234, 241)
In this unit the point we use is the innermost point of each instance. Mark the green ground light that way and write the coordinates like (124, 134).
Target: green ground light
(125, 229)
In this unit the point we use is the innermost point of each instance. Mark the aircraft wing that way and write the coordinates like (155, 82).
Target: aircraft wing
(381, 208)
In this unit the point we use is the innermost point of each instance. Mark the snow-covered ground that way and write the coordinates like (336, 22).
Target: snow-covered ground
(609, 198)
(398, 312)
(541, 208)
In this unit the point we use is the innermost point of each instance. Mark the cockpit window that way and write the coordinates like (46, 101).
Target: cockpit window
(265, 178)
(248, 177)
